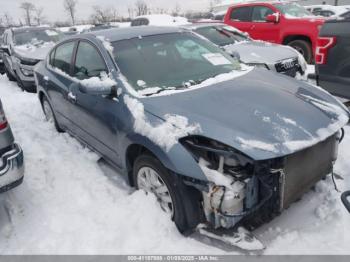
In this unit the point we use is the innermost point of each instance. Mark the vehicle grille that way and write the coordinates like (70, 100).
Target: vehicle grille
(289, 67)
(304, 169)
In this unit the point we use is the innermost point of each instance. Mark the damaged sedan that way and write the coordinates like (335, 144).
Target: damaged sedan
(224, 147)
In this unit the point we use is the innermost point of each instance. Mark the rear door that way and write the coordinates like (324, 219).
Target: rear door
(240, 18)
(260, 29)
(58, 81)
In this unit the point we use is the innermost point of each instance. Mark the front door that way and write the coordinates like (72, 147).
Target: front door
(94, 116)
(262, 30)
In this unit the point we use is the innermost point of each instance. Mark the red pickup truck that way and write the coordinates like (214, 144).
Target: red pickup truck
(278, 22)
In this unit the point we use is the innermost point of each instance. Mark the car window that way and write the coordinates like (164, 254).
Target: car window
(88, 62)
(63, 57)
(241, 14)
(222, 35)
(260, 13)
(346, 15)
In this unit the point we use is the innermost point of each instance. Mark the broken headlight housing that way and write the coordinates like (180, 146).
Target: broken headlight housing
(233, 189)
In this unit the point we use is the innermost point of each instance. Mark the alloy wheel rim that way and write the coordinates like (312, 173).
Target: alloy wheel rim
(149, 180)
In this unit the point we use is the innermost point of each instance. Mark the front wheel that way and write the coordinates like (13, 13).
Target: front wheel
(304, 48)
(181, 202)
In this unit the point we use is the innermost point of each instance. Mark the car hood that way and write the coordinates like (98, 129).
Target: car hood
(33, 51)
(261, 114)
(261, 52)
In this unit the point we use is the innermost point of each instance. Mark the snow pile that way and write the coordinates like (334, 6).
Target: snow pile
(167, 133)
(31, 47)
(106, 43)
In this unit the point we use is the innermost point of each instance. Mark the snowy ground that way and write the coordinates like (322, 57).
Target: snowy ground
(71, 203)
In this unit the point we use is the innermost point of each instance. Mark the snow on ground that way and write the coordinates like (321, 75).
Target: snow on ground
(72, 203)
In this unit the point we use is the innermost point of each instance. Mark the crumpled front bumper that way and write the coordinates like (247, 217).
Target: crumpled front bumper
(12, 168)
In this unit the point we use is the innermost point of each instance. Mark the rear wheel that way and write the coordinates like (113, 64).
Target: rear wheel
(49, 114)
(181, 202)
(304, 48)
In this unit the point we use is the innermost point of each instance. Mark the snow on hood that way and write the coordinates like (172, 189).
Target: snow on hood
(165, 134)
(32, 51)
(261, 52)
(262, 114)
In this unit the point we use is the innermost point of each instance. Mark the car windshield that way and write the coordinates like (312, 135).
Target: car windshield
(170, 61)
(36, 37)
(292, 10)
(222, 35)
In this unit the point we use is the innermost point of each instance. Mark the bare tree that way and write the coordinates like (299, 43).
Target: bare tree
(176, 10)
(70, 8)
(8, 21)
(106, 15)
(38, 15)
(28, 8)
(131, 11)
(141, 7)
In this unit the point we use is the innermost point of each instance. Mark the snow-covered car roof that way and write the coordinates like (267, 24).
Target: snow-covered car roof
(164, 20)
(117, 34)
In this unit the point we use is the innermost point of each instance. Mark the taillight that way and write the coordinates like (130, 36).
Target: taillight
(322, 47)
(3, 121)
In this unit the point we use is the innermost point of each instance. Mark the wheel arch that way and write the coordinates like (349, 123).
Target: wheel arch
(289, 38)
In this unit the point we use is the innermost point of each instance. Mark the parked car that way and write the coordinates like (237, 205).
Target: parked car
(11, 155)
(333, 58)
(23, 48)
(216, 141)
(278, 22)
(159, 20)
(99, 27)
(273, 57)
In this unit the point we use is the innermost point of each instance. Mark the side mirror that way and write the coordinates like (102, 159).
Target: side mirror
(345, 198)
(235, 55)
(273, 18)
(97, 89)
(5, 49)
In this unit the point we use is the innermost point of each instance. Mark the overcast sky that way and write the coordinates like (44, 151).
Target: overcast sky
(54, 11)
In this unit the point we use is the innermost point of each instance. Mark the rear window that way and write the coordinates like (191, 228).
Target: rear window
(241, 14)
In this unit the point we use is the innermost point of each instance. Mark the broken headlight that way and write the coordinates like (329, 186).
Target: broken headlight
(232, 188)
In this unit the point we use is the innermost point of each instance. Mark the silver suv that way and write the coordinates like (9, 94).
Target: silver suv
(278, 58)
(23, 48)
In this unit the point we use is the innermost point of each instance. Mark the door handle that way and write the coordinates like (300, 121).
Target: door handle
(72, 97)
(252, 27)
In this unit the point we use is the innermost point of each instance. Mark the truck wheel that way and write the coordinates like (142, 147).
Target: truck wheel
(304, 48)
(181, 202)
(49, 114)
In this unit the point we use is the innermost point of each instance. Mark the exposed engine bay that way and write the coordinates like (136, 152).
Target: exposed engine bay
(242, 191)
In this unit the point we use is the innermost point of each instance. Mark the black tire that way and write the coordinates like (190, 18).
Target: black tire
(19, 83)
(186, 200)
(303, 47)
(43, 101)
(9, 76)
